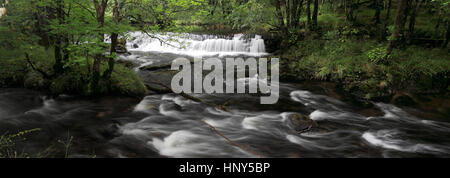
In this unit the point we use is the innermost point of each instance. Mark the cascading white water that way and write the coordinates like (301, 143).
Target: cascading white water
(197, 45)
(1, 11)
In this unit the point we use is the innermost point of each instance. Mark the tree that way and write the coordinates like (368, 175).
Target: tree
(289, 21)
(114, 38)
(315, 14)
(100, 8)
(412, 18)
(400, 21)
(378, 6)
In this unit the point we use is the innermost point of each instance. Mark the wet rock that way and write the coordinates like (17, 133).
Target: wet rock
(157, 79)
(126, 63)
(272, 42)
(302, 123)
(171, 107)
(110, 131)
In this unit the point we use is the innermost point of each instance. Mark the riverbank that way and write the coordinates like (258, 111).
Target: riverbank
(18, 72)
(361, 67)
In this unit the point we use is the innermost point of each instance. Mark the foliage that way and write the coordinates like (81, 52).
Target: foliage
(378, 55)
(8, 143)
(415, 68)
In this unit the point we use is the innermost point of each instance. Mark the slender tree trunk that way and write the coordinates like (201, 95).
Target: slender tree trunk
(58, 66)
(386, 21)
(280, 17)
(288, 13)
(412, 20)
(114, 40)
(400, 21)
(447, 36)
(100, 10)
(377, 4)
(438, 23)
(315, 14)
(388, 10)
(308, 14)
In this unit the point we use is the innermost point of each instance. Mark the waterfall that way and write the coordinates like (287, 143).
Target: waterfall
(197, 45)
(2, 10)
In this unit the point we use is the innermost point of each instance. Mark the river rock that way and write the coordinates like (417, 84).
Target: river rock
(302, 123)
(126, 63)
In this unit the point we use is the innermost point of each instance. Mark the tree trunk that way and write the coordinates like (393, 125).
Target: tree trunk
(288, 13)
(400, 21)
(386, 21)
(412, 20)
(100, 10)
(315, 14)
(308, 14)
(447, 36)
(280, 17)
(377, 4)
(114, 41)
(58, 66)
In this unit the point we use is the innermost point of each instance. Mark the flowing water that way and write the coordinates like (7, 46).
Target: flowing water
(171, 126)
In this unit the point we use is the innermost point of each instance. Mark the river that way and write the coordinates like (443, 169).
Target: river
(172, 126)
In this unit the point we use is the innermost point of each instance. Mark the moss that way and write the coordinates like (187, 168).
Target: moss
(123, 82)
(12, 72)
(35, 80)
(351, 63)
(126, 82)
(73, 81)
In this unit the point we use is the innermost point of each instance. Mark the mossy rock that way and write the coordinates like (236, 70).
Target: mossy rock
(302, 123)
(123, 82)
(71, 82)
(126, 82)
(35, 80)
(126, 63)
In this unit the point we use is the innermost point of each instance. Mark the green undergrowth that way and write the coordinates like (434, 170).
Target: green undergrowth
(363, 67)
(76, 80)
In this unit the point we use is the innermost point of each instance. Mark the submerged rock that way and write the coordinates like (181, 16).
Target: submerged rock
(302, 123)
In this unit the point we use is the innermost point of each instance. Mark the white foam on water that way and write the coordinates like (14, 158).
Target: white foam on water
(250, 123)
(321, 115)
(391, 111)
(186, 144)
(169, 113)
(388, 139)
(304, 97)
(145, 105)
(135, 132)
(49, 105)
(309, 99)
